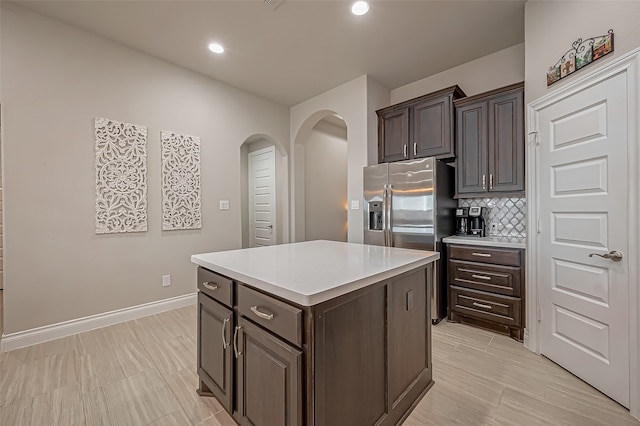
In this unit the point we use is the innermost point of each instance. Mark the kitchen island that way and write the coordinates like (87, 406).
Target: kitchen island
(315, 333)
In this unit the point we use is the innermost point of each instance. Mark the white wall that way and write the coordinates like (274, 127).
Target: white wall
(552, 26)
(56, 79)
(378, 96)
(350, 101)
(326, 183)
(481, 75)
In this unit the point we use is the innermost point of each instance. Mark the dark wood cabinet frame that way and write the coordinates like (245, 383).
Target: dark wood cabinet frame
(364, 358)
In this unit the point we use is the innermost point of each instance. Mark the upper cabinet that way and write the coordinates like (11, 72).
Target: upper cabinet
(417, 128)
(490, 143)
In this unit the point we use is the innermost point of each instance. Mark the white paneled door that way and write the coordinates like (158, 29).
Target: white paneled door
(262, 197)
(583, 237)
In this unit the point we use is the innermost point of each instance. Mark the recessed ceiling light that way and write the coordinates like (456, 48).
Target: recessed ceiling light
(360, 8)
(216, 48)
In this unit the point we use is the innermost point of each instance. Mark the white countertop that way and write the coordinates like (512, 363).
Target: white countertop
(490, 241)
(312, 272)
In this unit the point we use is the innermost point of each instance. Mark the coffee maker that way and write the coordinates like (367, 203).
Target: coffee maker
(476, 222)
(462, 220)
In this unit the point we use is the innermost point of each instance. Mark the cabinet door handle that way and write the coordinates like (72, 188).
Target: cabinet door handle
(210, 286)
(490, 180)
(480, 305)
(404, 150)
(481, 254)
(481, 277)
(235, 341)
(225, 345)
(262, 315)
(484, 181)
(415, 149)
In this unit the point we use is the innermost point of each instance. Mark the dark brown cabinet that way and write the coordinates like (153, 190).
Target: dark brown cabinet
(254, 374)
(363, 358)
(418, 128)
(486, 288)
(215, 357)
(490, 143)
(269, 378)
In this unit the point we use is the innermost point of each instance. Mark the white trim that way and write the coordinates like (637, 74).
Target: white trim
(629, 64)
(45, 333)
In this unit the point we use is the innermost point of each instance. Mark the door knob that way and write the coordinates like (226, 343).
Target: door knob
(614, 255)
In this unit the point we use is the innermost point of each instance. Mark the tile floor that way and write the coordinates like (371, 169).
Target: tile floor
(142, 372)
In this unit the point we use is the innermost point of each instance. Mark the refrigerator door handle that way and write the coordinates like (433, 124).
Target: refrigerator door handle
(389, 217)
(384, 215)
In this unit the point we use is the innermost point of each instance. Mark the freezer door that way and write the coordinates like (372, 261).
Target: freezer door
(412, 204)
(374, 209)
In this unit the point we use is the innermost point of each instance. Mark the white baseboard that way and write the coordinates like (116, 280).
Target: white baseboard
(21, 339)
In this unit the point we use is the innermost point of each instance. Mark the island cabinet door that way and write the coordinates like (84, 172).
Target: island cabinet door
(350, 367)
(269, 385)
(409, 340)
(215, 354)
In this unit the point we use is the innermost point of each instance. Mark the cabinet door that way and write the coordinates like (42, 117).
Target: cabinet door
(215, 355)
(471, 164)
(393, 135)
(506, 143)
(269, 378)
(432, 129)
(409, 338)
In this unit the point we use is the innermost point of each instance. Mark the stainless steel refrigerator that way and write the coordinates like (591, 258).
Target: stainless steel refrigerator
(410, 204)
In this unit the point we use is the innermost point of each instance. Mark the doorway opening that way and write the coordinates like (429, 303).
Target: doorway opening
(264, 199)
(320, 186)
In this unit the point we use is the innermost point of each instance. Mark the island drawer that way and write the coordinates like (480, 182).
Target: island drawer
(502, 256)
(481, 276)
(276, 316)
(479, 304)
(215, 286)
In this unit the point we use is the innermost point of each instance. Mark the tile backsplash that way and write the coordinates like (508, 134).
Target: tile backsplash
(509, 213)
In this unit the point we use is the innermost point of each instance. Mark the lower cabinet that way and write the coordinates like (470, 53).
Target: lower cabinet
(269, 384)
(360, 359)
(486, 288)
(215, 356)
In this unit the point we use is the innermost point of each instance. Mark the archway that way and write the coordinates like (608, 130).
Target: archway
(320, 178)
(277, 231)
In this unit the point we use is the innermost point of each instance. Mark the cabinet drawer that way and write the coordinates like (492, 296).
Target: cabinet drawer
(502, 256)
(501, 309)
(215, 285)
(493, 278)
(282, 319)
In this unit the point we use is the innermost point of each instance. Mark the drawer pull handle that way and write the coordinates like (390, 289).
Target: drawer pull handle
(210, 286)
(480, 305)
(235, 341)
(225, 345)
(481, 254)
(481, 277)
(262, 315)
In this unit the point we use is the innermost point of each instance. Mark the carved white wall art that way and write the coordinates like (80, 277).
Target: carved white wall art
(121, 177)
(180, 182)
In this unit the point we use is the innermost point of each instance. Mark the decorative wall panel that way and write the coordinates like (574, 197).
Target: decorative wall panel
(180, 182)
(121, 177)
(509, 213)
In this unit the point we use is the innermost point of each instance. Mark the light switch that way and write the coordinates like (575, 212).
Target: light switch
(355, 204)
(224, 204)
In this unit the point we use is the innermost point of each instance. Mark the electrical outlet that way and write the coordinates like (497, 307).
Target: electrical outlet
(355, 204)
(224, 204)
(166, 280)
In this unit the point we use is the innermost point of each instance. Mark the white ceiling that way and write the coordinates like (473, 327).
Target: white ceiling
(302, 48)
